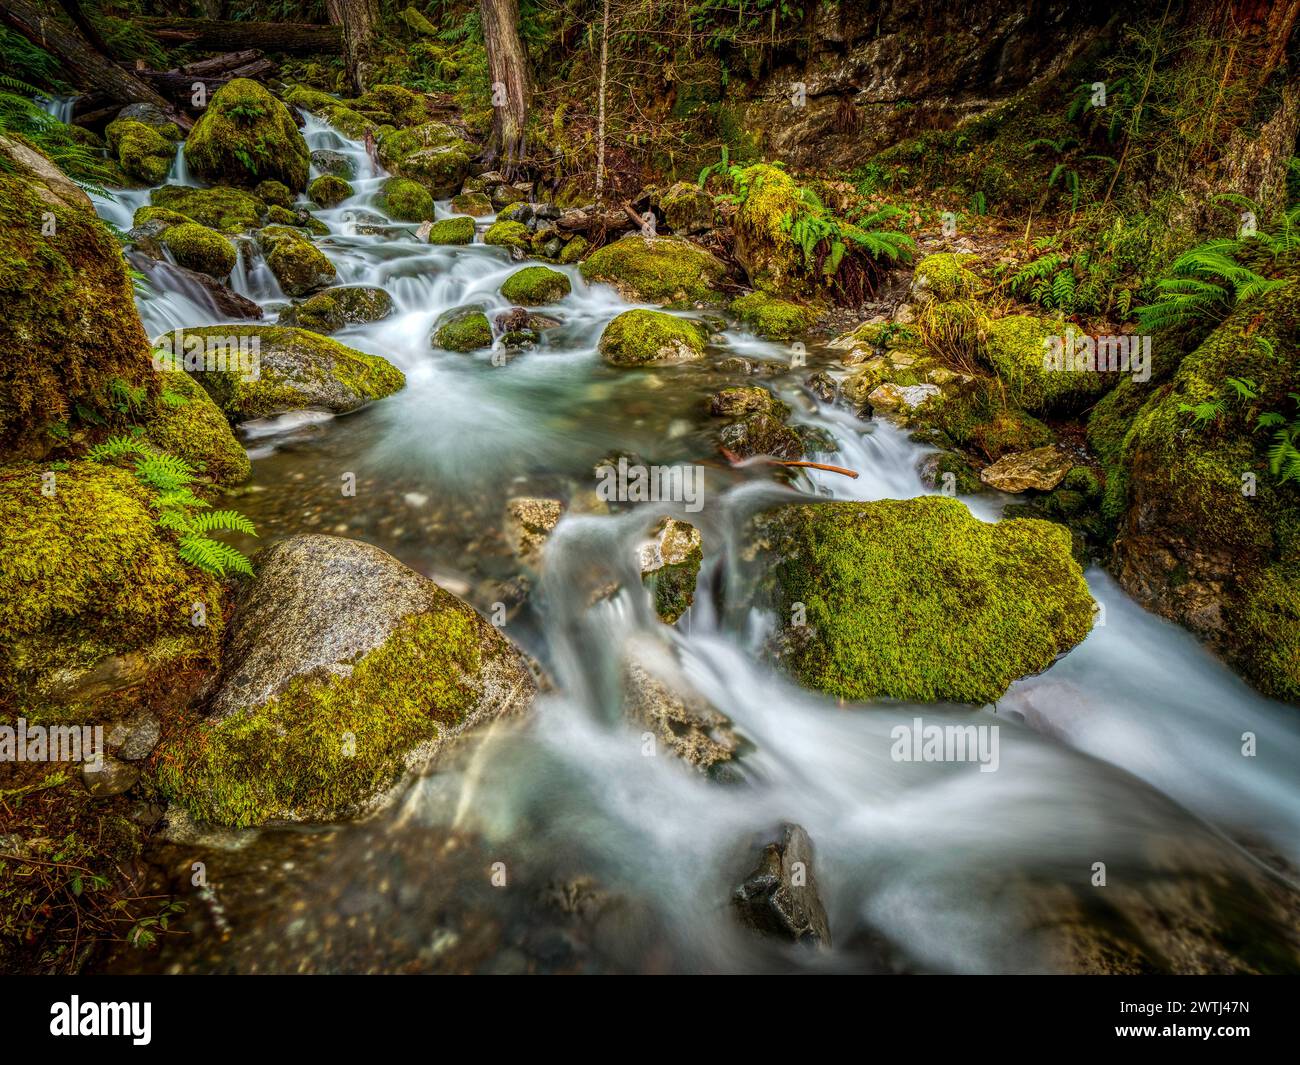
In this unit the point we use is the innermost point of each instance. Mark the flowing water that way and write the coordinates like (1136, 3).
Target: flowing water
(1128, 751)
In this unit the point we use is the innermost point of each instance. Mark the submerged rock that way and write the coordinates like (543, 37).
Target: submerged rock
(663, 270)
(343, 671)
(1042, 468)
(529, 521)
(680, 718)
(779, 898)
(760, 434)
(295, 370)
(917, 599)
(244, 136)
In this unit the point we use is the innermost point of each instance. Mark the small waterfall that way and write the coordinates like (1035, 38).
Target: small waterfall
(60, 107)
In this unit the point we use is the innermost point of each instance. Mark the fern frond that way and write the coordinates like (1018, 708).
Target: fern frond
(230, 520)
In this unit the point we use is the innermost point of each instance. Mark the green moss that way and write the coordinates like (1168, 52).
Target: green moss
(405, 200)
(663, 270)
(244, 136)
(945, 277)
(86, 573)
(71, 325)
(452, 231)
(772, 260)
(471, 203)
(463, 329)
(916, 599)
(309, 99)
(158, 214)
(440, 170)
(507, 234)
(510, 212)
(774, 318)
(200, 248)
(336, 308)
(396, 146)
(142, 151)
(296, 262)
(286, 759)
(400, 105)
(747, 399)
(574, 250)
(222, 209)
(296, 369)
(329, 191)
(536, 286)
(1015, 348)
(274, 194)
(187, 424)
(637, 338)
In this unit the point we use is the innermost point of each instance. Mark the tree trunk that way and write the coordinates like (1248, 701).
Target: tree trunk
(358, 20)
(206, 36)
(89, 68)
(508, 73)
(600, 121)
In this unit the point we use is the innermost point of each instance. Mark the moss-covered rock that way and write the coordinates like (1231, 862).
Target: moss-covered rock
(746, 399)
(222, 209)
(452, 231)
(462, 329)
(507, 234)
(573, 251)
(329, 191)
(440, 170)
(188, 424)
(400, 105)
(200, 248)
(670, 566)
(687, 208)
(336, 164)
(405, 200)
(93, 595)
(944, 276)
(397, 145)
(663, 270)
(144, 152)
(337, 308)
(295, 370)
(536, 286)
(70, 324)
(471, 203)
(244, 136)
(380, 670)
(772, 261)
(274, 194)
(760, 433)
(639, 337)
(774, 318)
(1208, 535)
(916, 599)
(1017, 349)
(296, 262)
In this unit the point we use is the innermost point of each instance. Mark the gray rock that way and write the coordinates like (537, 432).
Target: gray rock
(331, 162)
(108, 777)
(779, 898)
(682, 720)
(133, 738)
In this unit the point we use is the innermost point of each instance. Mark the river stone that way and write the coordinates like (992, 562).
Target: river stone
(108, 777)
(683, 721)
(1042, 468)
(663, 270)
(760, 434)
(670, 565)
(746, 399)
(529, 521)
(900, 399)
(333, 163)
(298, 265)
(343, 670)
(779, 897)
(336, 308)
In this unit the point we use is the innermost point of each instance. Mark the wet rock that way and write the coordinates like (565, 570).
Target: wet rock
(779, 897)
(462, 329)
(687, 208)
(639, 338)
(329, 191)
(663, 270)
(205, 290)
(244, 136)
(333, 163)
(760, 434)
(108, 777)
(1042, 468)
(471, 203)
(529, 521)
(296, 262)
(823, 386)
(670, 565)
(336, 308)
(746, 399)
(890, 398)
(536, 286)
(343, 670)
(458, 230)
(681, 719)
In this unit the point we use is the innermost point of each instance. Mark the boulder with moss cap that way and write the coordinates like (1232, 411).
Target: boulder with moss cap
(296, 262)
(640, 338)
(463, 329)
(944, 276)
(200, 248)
(917, 599)
(244, 136)
(773, 318)
(452, 231)
(337, 308)
(343, 672)
(145, 153)
(405, 200)
(536, 286)
(663, 270)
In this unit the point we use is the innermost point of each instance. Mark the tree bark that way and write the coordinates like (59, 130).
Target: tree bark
(508, 74)
(89, 68)
(600, 121)
(297, 37)
(358, 20)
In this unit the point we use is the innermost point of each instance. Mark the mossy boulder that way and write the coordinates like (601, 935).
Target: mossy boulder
(343, 671)
(188, 424)
(639, 338)
(351, 123)
(396, 146)
(329, 191)
(462, 329)
(687, 208)
(296, 262)
(333, 163)
(761, 433)
(405, 200)
(400, 105)
(916, 599)
(771, 317)
(70, 323)
(452, 231)
(440, 170)
(244, 136)
(199, 248)
(741, 400)
(144, 152)
(670, 566)
(573, 251)
(295, 370)
(337, 308)
(274, 194)
(536, 286)
(772, 261)
(222, 209)
(507, 234)
(471, 203)
(663, 270)
(1017, 347)
(93, 596)
(944, 276)
(1208, 535)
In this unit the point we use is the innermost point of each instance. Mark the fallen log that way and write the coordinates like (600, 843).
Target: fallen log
(266, 36)
(180, 87)
(218, 64)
